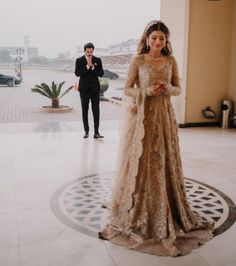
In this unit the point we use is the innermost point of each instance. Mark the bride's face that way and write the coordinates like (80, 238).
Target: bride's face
(156, 41)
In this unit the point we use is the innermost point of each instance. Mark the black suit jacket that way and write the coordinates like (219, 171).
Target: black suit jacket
(88, 77)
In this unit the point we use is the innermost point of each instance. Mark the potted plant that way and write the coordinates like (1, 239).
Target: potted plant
(52, 92)
(104, 84)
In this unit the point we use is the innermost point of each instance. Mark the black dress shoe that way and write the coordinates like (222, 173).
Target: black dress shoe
(98, 136)
(86, 135)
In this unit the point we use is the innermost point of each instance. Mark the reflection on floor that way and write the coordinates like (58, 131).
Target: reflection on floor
(53, 183)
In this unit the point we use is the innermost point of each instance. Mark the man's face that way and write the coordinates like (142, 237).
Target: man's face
(89, 52)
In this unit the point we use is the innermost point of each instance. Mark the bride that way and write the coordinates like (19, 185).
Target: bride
(149, 211)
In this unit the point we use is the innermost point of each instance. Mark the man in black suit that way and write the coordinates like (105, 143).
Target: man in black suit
(89, 68)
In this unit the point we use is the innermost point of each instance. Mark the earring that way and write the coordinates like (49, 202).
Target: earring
(147, 47)
(165, 51)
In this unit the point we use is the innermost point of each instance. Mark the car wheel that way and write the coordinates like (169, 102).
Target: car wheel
(10, 83)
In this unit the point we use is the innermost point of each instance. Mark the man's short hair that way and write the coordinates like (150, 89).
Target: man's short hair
(88, 45)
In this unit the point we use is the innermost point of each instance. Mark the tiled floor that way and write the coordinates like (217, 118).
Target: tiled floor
(19, 105)
(78, 204)
(38, 159)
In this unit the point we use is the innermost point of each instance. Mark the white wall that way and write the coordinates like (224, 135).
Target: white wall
(175, 14)
(209, 44)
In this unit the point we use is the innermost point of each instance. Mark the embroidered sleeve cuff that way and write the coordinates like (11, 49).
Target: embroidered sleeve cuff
(174, 91)
(132, 92)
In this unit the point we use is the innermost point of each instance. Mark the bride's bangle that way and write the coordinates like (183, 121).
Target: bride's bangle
(148, 91)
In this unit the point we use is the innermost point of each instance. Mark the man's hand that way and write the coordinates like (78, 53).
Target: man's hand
(89, 61)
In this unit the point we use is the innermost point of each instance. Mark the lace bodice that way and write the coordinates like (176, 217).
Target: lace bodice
(142, 75)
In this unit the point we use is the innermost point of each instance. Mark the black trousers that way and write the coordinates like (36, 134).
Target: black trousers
(95, 100)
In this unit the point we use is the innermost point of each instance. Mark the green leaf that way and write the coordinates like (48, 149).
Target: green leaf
(54, 89)
(47, 89)
(40, 92)
(59, 88)
(51, 92)
(65, 92)
(42, 88)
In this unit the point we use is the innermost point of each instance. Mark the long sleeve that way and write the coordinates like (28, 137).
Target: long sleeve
(131, 88)
(175, 88)
(80, 70)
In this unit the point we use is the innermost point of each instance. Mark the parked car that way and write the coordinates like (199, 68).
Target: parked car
(110, 75)
(10, 81)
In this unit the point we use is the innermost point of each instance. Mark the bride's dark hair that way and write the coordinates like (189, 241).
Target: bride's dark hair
(154, 26)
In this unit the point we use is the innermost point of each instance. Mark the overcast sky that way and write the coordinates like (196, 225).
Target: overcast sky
(62, 25)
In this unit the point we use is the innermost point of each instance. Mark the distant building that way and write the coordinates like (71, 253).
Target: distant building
(102, 51)
(32, 51)
(125, 47)
(26, 48)
(64, 55)
(98, 51)
(25, 52)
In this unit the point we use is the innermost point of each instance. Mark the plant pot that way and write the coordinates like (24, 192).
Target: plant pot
(60, 109)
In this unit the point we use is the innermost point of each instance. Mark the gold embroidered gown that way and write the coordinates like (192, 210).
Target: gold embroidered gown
(149, 211)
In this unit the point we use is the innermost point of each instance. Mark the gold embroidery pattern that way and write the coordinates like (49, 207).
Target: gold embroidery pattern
(150, 211)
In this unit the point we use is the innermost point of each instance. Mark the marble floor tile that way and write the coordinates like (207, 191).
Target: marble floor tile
(231, 264)
(8, 228)
(123, 256)
(37, 159)
(9, 256)
(38, 226)
(66, 253)
(221, 249)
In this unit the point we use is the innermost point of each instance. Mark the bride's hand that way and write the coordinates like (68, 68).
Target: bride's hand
(164, 88)
(155, 89)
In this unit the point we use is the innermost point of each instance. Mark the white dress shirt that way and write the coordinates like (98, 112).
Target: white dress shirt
(87, 64)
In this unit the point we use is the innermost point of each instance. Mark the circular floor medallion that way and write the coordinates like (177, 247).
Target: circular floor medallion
(78, 203)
